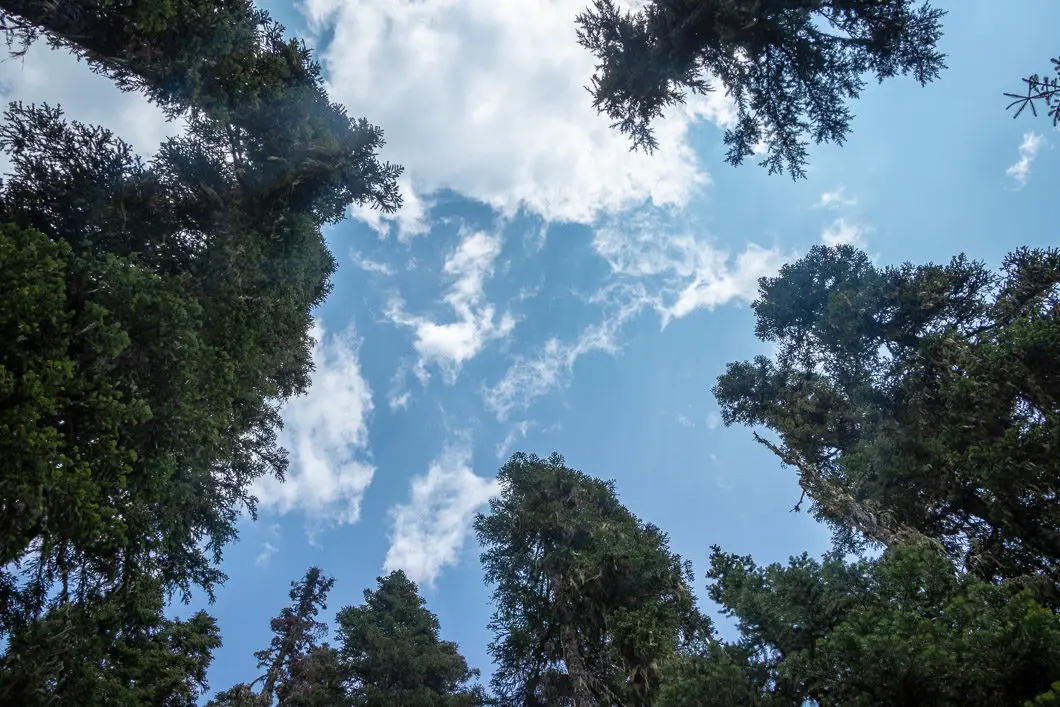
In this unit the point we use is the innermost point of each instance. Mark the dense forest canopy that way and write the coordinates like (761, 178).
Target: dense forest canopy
(156, 313)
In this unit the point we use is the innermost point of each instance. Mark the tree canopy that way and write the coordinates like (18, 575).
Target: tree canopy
(391, 652)
(790, 67)
(588, 600)
(916, 399)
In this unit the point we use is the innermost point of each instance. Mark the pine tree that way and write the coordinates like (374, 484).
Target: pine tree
(391, 653)
(116, 650)
(789, 66)
(295, 633)
(905, 629)
(1041, 89)
(588, 600)
(916, 401)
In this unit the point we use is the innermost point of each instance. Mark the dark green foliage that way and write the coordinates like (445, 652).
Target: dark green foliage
(588, 601)
(295, 634)
(790, 66)
(907, 629)
(1042, 88)
(391, 652)
(917, 401)
(230, 63)
(211, 310)
(116, 650)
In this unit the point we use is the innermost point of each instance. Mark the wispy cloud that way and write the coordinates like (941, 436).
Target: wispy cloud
(685, 421)
(1028, 150)
(551, 368)
(713, 420)
(681, 272)
(835, 199)
(516, 431)
(326, 434)
(368, 265)
(265, 556)
(486, 97)
(450, 344)
(430, 530)
(843, 232)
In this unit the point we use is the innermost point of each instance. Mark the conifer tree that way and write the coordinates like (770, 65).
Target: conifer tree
(916, 401)
(588, 600)
(391, 652)
(789, 66)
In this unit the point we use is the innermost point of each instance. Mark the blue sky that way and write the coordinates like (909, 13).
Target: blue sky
(546, 290)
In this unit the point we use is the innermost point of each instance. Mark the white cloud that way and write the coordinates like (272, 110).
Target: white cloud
(716, 283)
(842, 232)
(681, 272)
(362, 263)
(685, 421)
(429, 531)
(516, 432)
(652, 267)
(835, 199)
(410, 221)
(552, 367)
(486, 97)
(326, 434)
(265, 556)
(56, 77)
(713, 420)
(453, 343)
(1021, 170)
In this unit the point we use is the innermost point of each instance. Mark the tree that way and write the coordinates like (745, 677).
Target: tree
(230, 63)
(391, 653)
(183, 320)
(1040, 87)
(789, 66)
(295, 634)
(906, 629)
(916, 401)
(222, 228)
(114, 650)
(588, 600)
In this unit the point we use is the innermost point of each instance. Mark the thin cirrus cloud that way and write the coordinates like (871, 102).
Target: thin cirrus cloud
(486, 98)
(1020, 171)
(429, 531)
(450, 344)
(673, 274)
(682, 272)
(326, 435)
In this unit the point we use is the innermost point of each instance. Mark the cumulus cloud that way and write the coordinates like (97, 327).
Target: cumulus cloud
(835, 199)
(1028, 150)
(326, 435)
(452, 343)
(429, 531)
(486, 98)
(843, 232)
(56, 77)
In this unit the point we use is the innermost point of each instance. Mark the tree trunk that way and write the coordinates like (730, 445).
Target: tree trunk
(572, 656)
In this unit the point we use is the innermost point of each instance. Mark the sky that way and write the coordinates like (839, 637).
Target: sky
(545, 289)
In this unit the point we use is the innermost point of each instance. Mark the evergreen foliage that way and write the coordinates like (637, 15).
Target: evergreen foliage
(789, 66)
